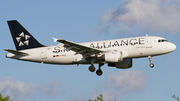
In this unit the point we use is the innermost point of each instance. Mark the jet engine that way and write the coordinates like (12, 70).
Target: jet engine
(122, 65)
(115, 56)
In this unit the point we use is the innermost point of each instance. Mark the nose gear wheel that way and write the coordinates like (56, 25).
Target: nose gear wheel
(151, 65)
(150, 60)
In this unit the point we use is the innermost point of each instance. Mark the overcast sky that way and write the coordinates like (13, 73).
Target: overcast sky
(84, 21)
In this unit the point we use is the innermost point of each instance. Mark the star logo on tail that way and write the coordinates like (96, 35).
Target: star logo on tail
(23, 42)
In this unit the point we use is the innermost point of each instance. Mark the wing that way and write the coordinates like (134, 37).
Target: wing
(79, 49)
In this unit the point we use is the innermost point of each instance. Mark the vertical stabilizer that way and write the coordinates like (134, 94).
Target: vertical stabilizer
(21, 37)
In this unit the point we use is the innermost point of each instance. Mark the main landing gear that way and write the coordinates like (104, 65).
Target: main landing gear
(99, 71)
(92, 68)
(150, 60)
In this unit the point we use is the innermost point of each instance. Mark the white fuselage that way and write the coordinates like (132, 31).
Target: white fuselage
(135, 47)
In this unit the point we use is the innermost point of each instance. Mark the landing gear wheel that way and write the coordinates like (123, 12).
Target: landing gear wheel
(150, 60)
(92, 68)
(151, 65)
(99, 72)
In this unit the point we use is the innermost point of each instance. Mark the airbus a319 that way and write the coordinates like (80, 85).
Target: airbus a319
(115, 53)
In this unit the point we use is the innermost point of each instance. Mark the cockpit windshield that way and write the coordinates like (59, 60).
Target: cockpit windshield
(162, 40)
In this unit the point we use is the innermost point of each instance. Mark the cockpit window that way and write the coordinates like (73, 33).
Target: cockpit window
(162, 40)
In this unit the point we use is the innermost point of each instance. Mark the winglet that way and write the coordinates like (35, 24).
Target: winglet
(54, 39)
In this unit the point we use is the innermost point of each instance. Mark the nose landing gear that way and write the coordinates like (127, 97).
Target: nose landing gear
(150, 60)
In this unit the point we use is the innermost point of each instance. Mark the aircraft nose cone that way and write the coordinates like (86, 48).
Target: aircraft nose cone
(172, 46)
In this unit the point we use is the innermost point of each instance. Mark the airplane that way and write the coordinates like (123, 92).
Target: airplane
(115, 53)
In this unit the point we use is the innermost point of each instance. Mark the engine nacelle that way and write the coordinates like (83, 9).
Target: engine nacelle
(113, 56)
(122, 65)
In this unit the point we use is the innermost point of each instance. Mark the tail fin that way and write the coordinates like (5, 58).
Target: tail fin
(21, 37)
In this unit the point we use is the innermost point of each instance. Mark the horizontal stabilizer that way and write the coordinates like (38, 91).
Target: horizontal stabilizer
(16, 52)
